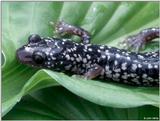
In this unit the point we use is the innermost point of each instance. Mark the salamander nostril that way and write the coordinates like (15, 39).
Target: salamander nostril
(34, 38)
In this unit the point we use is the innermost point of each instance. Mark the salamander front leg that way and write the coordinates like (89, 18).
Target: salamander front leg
(64, 28)
(93, 72)
(138, 41)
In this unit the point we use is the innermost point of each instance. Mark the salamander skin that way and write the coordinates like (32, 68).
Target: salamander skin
(92, 61)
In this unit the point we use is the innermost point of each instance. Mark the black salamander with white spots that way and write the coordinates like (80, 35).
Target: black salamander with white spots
(94, 61)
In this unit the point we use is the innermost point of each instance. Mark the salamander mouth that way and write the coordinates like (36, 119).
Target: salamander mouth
(24, 56)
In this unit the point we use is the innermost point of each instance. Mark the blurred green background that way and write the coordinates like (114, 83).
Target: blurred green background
(28, 93)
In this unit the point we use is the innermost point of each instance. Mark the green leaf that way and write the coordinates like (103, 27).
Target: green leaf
(58, 103)
(113, 95)
(109, 23)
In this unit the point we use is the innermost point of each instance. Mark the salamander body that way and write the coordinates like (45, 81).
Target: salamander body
(92, 61)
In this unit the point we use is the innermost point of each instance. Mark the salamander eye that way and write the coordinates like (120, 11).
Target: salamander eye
(39, 57)
(34, 38)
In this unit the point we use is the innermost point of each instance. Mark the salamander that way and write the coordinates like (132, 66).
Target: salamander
(94, 61)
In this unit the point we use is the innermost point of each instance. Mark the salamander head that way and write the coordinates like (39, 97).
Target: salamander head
(39, 52)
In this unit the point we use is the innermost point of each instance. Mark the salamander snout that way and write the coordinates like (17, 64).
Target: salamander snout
(29, 56)
(24, 56)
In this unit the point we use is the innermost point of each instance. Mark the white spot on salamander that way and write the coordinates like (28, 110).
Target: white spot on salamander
(124, 66)
(107, 52)
(84, 60)
(128, 58)
(103, 56)
(155, 66)
(117, 70)
(90, 49)
(116, 75)
(68, 57)
(72, 58)
(150, 66)
(117, 56)
(27, 49)
(140, 57)
(88, 57)
(134, 66)
(124, 76)
(144, 76)
(98, 50)
(77, 59)
(53, 58)
(139, 66)
(75, 55)
(108, 57)
(101, 47)
(107, 68)
(133, 75)
(115, 62)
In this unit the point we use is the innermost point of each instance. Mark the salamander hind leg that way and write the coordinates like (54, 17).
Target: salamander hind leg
(64, 28)
(136, 42)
